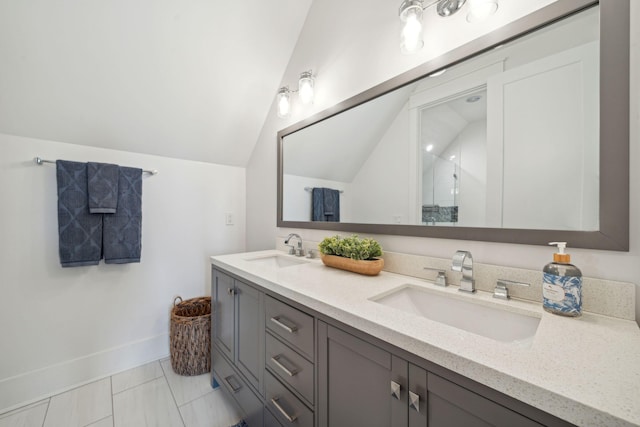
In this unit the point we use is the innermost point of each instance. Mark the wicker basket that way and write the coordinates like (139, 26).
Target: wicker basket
(190, 336)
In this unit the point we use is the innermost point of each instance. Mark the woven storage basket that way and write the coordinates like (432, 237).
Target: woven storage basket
(190, 336)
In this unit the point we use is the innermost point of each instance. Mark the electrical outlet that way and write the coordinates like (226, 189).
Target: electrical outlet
(228, 218)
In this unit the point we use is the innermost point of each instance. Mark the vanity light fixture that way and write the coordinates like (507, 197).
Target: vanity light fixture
(429, 148)
(283, 102)
(411, 16)
(481, 9)
(305, 87)
(305, 93)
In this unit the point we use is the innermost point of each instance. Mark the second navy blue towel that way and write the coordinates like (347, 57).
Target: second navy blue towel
(122, 237)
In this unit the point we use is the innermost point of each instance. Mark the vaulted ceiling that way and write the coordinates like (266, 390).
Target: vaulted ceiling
(190, 79)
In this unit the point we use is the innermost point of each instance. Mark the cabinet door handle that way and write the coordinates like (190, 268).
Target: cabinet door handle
(291, 329)
(233, 389)
(414, 401)
(282, 411)
(276, 361)
(231, 291)
(395, 390)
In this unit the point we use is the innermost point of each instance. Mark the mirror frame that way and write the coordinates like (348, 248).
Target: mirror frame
(614, 133)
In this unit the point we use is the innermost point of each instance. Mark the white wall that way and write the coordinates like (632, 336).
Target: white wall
(61, 327)
(353, 46)
(385, 198)
(473, 175)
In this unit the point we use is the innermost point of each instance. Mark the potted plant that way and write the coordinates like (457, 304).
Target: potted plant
(352, 254)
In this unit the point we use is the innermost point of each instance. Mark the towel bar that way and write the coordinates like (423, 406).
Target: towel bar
(40, 161)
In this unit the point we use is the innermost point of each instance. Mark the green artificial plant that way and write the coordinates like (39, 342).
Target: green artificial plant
(350, 247)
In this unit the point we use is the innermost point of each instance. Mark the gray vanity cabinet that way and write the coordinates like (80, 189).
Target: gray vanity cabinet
(287, 365)
(290, 364)
(224, 301)
(238, 342)
(450, 405)
(359, 384)
(250, 334)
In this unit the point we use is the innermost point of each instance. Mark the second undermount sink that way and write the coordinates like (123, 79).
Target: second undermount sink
(276, 261)
(488, 321)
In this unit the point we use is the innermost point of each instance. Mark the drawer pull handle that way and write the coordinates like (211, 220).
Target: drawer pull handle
(233, 389)
(291, 329)
(282, 411)
(414, 401)
(395, 390)
(231, 291)
(276, 361)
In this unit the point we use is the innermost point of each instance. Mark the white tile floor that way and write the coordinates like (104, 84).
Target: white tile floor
(149, 395)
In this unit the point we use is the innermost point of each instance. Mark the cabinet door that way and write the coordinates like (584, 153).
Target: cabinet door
(250, 333)
(450, 405)
(356, 380)
(223, 293)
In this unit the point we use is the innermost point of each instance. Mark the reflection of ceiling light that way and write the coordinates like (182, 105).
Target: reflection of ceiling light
(474, 98)
(452, 157)
(429, 148)
(438, 73)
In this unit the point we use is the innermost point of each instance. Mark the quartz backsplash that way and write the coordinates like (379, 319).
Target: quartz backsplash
(599, 296)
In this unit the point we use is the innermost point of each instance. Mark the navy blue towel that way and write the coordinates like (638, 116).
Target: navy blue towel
(325, 205)
(102, 187)
(79, 232)
(122, 238)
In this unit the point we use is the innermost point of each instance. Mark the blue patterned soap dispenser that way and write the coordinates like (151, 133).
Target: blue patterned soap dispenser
(562, 285)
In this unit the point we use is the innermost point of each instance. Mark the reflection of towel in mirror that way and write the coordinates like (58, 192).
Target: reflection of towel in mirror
(79, 232)
(123, 230)
(325, 205)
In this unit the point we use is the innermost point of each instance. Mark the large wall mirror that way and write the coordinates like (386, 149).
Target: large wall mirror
(521, 136)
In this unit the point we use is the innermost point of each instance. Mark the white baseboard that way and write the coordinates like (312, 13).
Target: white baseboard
(41, 383)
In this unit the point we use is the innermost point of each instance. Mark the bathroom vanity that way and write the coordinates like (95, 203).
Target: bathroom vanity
(298, 343)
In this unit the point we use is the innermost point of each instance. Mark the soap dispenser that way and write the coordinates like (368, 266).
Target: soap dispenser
(562, 284)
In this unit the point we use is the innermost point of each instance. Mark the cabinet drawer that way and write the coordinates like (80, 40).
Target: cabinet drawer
(287, 408)
(290, 324)
(234, 384)
(290, 367)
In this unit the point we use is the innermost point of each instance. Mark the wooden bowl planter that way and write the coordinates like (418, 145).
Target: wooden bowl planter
(369, 267)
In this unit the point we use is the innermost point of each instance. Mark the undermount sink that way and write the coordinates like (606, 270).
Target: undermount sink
(490, 322)
(276, 261)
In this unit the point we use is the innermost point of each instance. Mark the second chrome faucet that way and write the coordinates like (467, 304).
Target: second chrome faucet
(463, 262)
(299, 251)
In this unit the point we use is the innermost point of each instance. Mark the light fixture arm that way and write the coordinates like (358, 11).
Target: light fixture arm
(445, 7)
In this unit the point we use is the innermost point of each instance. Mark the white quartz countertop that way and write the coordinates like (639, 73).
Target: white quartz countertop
(584, 370)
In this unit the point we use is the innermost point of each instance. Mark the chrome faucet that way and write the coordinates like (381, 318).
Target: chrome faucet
(463, 261)
(295, 251)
